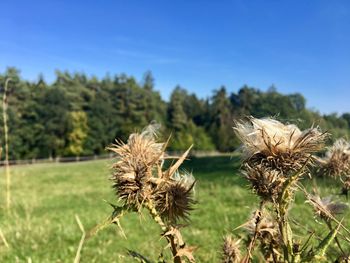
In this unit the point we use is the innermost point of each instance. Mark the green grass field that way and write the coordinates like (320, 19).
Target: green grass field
(41, 224)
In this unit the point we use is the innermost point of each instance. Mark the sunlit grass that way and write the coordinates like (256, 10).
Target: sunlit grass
(41, 224)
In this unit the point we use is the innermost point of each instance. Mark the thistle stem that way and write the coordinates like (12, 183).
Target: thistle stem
(149, 205)
(285, 229)
(282, 213)
(335, 238)
(7, 165)
(166, 229)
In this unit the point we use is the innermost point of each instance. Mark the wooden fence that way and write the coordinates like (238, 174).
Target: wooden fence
(105, 156)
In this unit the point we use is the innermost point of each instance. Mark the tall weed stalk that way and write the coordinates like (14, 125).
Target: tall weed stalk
(7, 165)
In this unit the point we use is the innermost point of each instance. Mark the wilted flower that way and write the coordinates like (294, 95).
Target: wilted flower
(231, 250)
(276, 145)
(267, 229)
(140, 181)
(325, 208)
(174, 197)
(337, 160)
(138, 177)
(136, 162)
(265, 182)
(268, 234)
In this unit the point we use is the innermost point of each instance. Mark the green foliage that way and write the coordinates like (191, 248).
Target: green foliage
(41, 124)
(192, 135)
(201, 141)
(221, 121)
(176, 113)
(185, 113)
(78, 133)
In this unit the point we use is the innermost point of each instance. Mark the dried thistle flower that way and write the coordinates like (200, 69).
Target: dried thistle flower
(265, 182)
(268, 234)
(140, 181)
(267, 229)
(174, 197)
(138, 177)
(231, 250)
(136, 162)
(337, 160)
(276, 145)
(325, 208)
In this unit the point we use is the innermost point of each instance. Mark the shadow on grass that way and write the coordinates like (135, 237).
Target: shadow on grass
(223, 165)
(218, 170)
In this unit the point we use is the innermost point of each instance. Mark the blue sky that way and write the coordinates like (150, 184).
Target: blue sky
(299, 46)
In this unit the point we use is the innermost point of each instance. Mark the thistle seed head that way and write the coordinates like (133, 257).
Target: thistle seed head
(137, 159)
(325, 208)
(231, 250)
(337, 160)
(139, 178)
(174, 197)
(276, 145)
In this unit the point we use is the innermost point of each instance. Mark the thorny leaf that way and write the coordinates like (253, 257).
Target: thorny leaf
(183, 250)
(320, 251)
(174, 167)
(186, 252)
(117, 213)
(307, 242)
(177, 234)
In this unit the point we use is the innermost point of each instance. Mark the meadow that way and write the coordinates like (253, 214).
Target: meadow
(41, 225)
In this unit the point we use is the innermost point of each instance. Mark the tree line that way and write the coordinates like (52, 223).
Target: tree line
(80, 115)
